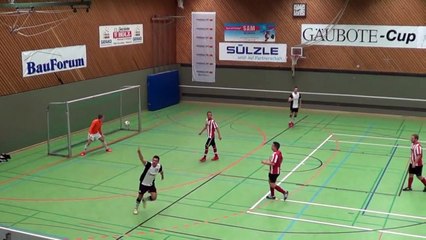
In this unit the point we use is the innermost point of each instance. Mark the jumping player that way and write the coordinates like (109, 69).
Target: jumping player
(211, 127)
(416, 163)
(95, 133)
(295, 100)
(147, 180)
(274, 171)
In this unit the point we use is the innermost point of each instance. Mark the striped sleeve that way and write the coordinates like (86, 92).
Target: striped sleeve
(215, 124)
(274, 158)
(418, 150)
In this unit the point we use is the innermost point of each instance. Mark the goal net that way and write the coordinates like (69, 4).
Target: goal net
(68, 122)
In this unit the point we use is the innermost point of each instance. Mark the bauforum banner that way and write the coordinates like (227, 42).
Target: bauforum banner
(203, 46)
(364, 35)
(53, 60)
(119, 35)
(253, 52)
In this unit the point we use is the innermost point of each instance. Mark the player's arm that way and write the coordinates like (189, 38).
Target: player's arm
(141, 157)
(270, 162)
(162, 173)
(418, 160)
(204, 129)
(300, 100)
(419, 153)
(290, 98)
(267, 162)
(218, 133)
(100, 129)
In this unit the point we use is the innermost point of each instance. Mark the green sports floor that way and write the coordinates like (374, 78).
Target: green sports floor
(344, 172)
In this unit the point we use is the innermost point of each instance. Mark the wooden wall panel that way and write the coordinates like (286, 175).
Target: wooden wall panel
(81, 29)
(363, 12)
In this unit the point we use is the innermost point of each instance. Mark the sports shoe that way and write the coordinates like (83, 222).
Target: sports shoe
(292, 124)
(203, 159)
(270, 197)
(215, 158)
(289, 125)
(83, 153)
(108, 150)
(143, 202)
(135, 211)
(285, 195)
(408, 189)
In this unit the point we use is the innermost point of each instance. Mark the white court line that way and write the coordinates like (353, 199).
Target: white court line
(358, 210)
(363, 136)
(402, 234)
(336, 225)
(293, 170)
(310, 221)
(372, 144)
(14, 233)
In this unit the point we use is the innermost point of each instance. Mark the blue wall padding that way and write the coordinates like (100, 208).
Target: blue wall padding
(163, 90)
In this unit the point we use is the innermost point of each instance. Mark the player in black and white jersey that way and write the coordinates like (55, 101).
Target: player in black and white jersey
(147, 180)
(295, 100)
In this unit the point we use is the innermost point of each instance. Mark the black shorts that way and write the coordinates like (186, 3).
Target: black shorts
(143, 189)
(416, 170)
(273, 177)
(295, 110)
(210, 142)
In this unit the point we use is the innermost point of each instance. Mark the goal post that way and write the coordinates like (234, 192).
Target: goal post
(68, 121)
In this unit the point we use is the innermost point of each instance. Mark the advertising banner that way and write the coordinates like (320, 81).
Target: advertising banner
(253, 52)
(203, 46)
(45, 61)
(364, 35)
(250, 32)
(120, 35)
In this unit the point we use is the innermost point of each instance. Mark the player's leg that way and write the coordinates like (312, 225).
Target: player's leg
(206, 150)
(102, 139)
(291, 122)
(279, 189)
(216, 156)
(420, 177)
(295, 112)
(411, 172)
(153, 195)
(272, 180)
(142, 190)
(89, 141)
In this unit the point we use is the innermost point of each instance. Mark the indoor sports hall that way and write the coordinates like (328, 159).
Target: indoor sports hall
(335, 86)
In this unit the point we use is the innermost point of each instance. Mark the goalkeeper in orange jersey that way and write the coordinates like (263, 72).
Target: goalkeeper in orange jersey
(95, 133)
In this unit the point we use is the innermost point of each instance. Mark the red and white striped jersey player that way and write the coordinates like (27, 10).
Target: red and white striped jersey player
(211, 127)
(416, 163)
(274, 171)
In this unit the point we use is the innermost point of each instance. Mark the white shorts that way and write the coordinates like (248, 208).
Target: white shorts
(94, 137)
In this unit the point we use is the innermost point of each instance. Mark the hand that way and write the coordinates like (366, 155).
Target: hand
(139, 149)
(199, 133)
(220, 137)
(162, 177)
